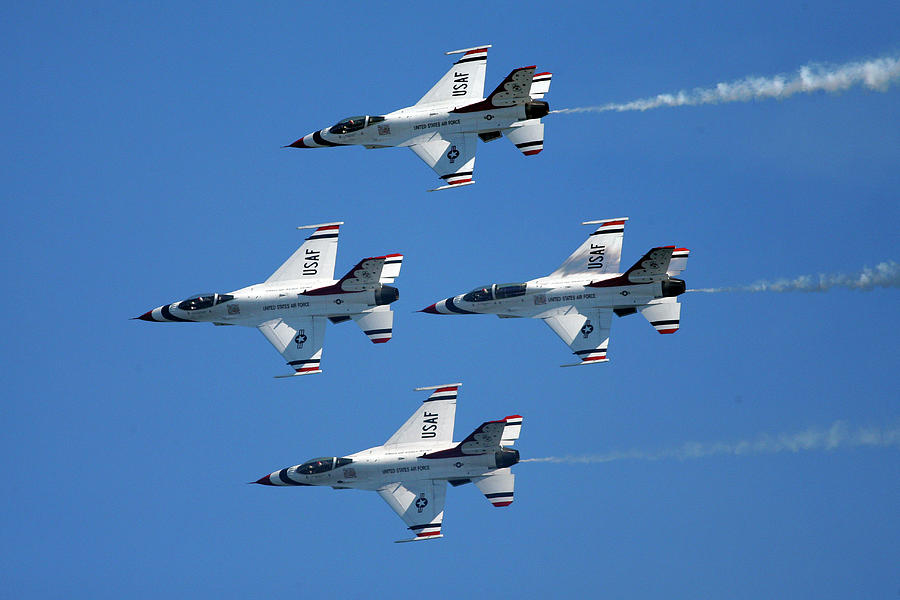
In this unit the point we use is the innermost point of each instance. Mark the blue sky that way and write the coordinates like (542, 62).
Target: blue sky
(142, 163)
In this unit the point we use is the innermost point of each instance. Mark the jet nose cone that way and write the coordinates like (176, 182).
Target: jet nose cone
(264, 481)
(298, 144)
(430, 310)
(145, 317)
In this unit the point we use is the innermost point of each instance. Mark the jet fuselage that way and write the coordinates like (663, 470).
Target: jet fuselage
(263, 302)
(410, 125)
(373, 468)
(544, 297)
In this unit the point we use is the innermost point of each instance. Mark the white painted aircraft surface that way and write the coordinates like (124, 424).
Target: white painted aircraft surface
(291, 307)
(412, 469)
(444, 126)
(579, 299)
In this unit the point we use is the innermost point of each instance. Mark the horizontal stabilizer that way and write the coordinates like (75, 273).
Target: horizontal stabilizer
(512, 430)
(527, 136)
(420, 539)
(451, 186)
(498, 487)
(678, 262)
(664, 314)
(540, 85)
(377, 323)
(391, 269)
(297, 374)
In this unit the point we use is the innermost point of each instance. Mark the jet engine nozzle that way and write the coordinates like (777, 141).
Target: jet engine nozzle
(386, 294)
(673, 287)
(506, 457)
(536, 109)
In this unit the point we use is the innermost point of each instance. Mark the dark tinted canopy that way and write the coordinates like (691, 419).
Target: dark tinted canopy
(497, 291)
(323, 464)
(351, 124)
(201, 301)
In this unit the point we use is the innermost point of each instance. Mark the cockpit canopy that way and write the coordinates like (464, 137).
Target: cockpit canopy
(497, 291)
(201, 301)
(323, 464)
(351, 124)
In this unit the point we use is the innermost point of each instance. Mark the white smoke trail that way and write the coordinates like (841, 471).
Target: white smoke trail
(875, 74)
(886, 275)
(838, 436)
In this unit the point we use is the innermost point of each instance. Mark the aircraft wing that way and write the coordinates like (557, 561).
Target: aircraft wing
(451, 157)
(299, 341)
(586, 334)
(314, 259)
(420, 504)
(433, 421)
(465, 79)
(599, 254)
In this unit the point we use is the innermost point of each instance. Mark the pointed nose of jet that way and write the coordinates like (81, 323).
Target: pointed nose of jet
(431, 310)
(298, 144)
(264, 480)
(145, 317)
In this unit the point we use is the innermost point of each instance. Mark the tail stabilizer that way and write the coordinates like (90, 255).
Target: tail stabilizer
(528, 136)
(664, 314)
(391, 268)
(678, 262)
(498, 487)
(540, 85)
(377, 323)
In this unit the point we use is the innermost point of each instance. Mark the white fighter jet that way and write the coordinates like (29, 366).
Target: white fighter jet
(291, 306)
(412, 469)
(444, 126)
(578, 299)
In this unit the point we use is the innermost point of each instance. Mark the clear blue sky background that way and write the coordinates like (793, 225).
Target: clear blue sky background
(142, 163)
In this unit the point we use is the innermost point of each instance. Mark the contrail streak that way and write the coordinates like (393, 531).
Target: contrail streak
(886, 275)
(875, 74)
(838, 436)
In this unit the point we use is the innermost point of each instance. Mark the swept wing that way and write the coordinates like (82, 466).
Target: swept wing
(587, 333)
(452, 157)
(299, 341)
(314, 259)
(420, 504)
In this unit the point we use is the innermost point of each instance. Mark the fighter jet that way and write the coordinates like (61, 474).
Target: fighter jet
(578, 299)
(291, 307)
(412, 469)
(444, 126)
